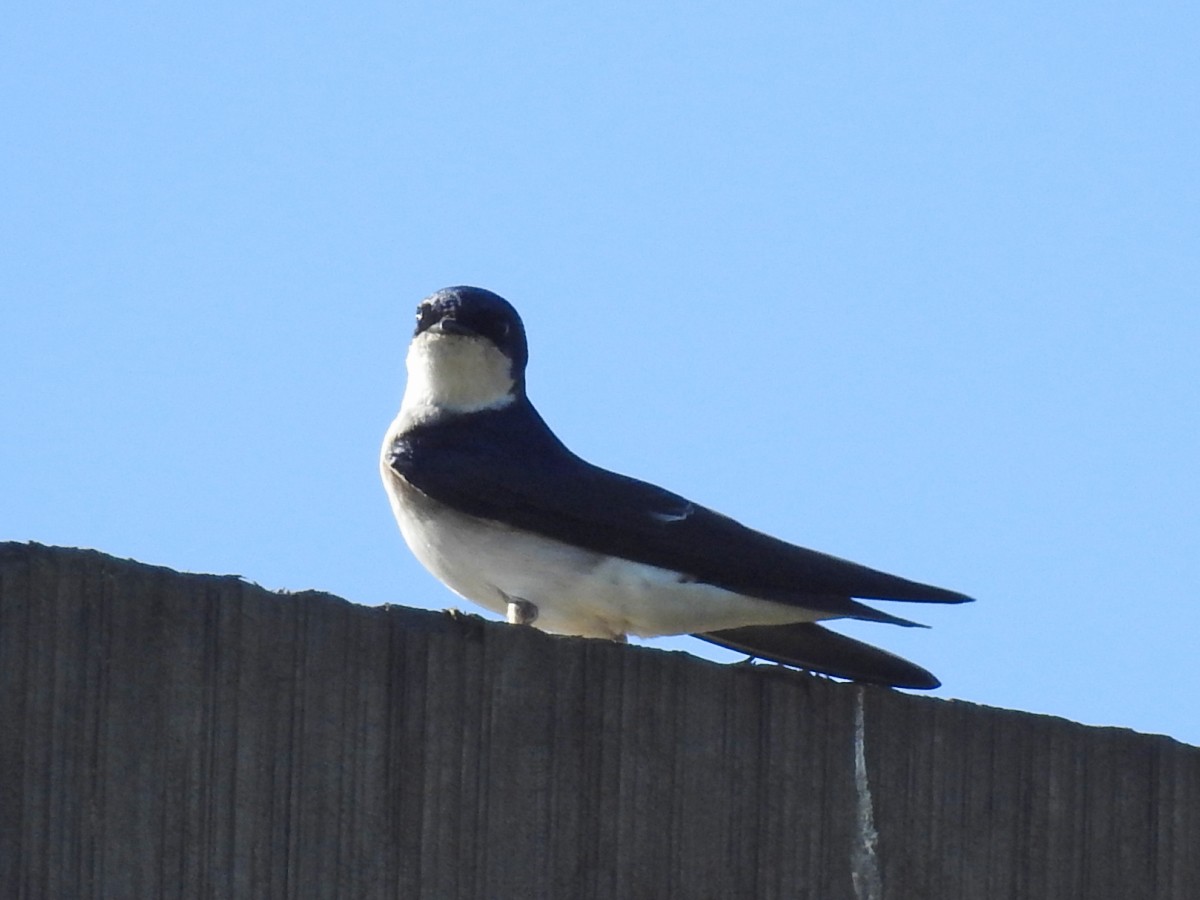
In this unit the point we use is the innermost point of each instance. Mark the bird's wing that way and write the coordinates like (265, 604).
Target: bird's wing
(809, 646)
(508, 467)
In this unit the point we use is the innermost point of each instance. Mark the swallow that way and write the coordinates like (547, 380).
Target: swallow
(498, 509)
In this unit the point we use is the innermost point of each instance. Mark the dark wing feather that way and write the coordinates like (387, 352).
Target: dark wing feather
(507, 466)
(809, 646)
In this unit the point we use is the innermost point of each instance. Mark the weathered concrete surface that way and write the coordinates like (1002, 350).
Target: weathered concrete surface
(169, 735)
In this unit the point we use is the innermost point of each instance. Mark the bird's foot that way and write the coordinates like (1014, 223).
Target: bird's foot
(521, 612)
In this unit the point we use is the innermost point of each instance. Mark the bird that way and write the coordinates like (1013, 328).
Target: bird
(495, 506)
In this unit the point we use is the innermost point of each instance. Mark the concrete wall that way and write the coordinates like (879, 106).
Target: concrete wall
(170, 735)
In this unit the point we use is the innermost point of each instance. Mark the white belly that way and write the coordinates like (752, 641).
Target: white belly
(575, 591)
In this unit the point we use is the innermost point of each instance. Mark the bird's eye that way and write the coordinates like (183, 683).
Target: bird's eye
(425, 317)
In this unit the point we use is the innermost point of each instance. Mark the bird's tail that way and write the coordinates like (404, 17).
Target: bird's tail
(809, 646)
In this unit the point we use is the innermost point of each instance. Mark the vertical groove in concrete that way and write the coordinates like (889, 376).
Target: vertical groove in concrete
(192, 736)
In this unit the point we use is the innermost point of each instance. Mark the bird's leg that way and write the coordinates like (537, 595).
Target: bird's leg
(521, 612)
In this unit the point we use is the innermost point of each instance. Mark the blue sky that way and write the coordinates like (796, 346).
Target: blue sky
(916, 286)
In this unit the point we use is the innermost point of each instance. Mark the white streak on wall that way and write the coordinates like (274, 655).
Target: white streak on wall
(864, 871)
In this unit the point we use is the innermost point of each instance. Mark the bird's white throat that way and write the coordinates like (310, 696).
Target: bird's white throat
(450, 373)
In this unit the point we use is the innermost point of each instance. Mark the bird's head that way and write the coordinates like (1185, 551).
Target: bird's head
(468, 353)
